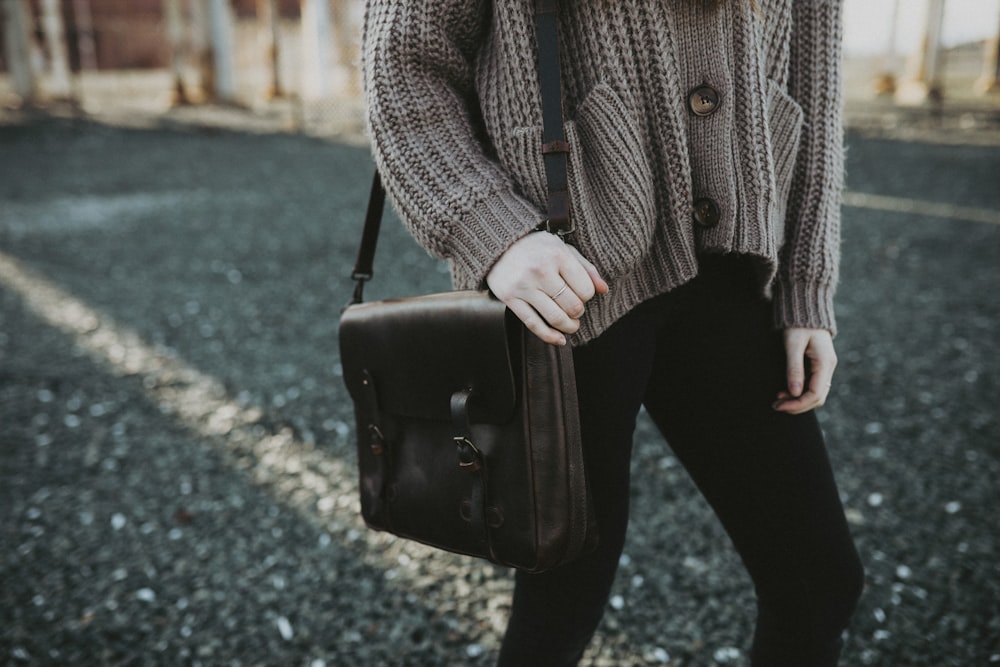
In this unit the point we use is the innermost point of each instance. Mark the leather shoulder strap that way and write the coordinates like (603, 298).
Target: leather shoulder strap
(554, 145)
(363, 269)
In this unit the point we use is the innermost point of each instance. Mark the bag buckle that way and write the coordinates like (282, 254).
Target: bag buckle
(377, 439)
(469, 457)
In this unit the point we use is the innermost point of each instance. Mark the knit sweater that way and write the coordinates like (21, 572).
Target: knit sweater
(454, 115)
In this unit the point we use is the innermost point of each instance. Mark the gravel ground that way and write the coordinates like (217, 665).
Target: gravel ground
(177, 467)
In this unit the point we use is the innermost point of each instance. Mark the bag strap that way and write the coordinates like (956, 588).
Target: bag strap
(554, 145)
(554, 151)
(363, 270)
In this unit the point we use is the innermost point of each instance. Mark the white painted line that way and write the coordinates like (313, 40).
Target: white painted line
(920, 207)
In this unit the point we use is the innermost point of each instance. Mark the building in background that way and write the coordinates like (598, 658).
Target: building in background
(250, 52)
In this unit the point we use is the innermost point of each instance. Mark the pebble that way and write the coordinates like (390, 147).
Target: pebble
(660, 655)
(726, 654)
(284, 628)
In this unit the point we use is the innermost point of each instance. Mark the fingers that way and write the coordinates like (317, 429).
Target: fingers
(535, 323)
(816, 345)
(598, 283)
(546, 283)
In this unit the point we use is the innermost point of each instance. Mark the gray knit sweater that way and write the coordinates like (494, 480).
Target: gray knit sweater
(455, 121)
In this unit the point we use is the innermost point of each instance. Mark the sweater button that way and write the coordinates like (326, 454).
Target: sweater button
(704, 100)
(706, 213)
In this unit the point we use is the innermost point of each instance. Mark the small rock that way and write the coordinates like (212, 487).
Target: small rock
(285, 628)
(726, 654)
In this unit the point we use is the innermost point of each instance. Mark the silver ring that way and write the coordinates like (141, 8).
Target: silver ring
(561, 290)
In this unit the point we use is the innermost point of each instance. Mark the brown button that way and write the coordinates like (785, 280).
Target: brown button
(704, 100)
(706, 213)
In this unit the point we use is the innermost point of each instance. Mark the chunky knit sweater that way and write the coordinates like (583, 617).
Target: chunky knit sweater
(454, 115)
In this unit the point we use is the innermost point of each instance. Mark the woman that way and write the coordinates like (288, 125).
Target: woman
(705, 173)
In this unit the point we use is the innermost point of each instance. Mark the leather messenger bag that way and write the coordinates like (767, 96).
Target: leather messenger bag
(467, 424)
(468, 431)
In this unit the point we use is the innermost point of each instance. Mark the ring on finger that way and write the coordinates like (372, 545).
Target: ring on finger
(561, 290)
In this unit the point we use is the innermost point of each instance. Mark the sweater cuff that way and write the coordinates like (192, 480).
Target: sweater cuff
(808, 305)
(477, 242)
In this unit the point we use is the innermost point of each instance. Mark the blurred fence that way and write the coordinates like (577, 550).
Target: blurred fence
(299, 56)
(298, 59)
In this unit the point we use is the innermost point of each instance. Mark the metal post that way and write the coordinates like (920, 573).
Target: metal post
(923, 81)
(315, 48)
(885, 80)
(17, 31)
(221, 21)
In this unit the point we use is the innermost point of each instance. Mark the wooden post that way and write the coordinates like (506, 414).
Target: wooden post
(176, 42)
(269, 21)
(885, 80)
(54, 30)
(201, 48)
(989, 80)
(922, 81)
(17, 37)
(342, 44)
(86, 47)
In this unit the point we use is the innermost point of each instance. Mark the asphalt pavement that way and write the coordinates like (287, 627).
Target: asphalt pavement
(176, 445)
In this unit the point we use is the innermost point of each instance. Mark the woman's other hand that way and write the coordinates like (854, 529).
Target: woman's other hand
(803, 393)
(545, 282)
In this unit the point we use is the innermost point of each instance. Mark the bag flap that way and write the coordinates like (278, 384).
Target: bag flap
(421, 350)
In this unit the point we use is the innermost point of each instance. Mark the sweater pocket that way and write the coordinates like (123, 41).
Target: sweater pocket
(785, 123)
(611, 183)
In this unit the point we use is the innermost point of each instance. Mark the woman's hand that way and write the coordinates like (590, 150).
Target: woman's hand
(546, 283)
(816, 345)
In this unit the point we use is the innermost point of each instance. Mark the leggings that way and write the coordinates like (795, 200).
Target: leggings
(706, 363)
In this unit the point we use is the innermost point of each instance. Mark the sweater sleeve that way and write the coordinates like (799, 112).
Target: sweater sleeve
(810, 258)
(419, 77)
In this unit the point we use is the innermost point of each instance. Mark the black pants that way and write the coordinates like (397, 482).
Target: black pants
(707, 364)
